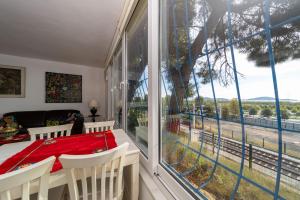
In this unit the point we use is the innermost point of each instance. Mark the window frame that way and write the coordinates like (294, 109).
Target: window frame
(163, 176)
(139, 5)
(169, 183)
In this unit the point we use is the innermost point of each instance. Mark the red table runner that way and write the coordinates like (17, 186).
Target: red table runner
(72, 145)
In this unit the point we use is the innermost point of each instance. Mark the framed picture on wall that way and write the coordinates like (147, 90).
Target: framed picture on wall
(12, 81)
(63, 88)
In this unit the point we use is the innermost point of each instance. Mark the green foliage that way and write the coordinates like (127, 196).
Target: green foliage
(234, 107)
(266, 112)
(294, 110)
(137, 99)
(246, 107)
(285, 114)
(253, 111)
(132, 120)
(197, 103)
(246, 19)
(52, 123)
(222, 181)
(190, 92)
(283, 107)
(166, 100)
(258, 107)
(208, 109)
(225, 112)
(146, 98)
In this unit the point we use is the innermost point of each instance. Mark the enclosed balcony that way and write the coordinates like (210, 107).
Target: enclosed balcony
(149, 99)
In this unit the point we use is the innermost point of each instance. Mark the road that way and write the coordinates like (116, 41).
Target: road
(292, 139)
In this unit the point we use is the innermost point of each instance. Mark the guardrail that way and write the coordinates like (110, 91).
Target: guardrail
(256, 121)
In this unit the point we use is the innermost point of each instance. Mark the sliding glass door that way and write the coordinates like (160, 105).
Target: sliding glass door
(116, 88)
(128, 79)
(114, 77)
(137, 77)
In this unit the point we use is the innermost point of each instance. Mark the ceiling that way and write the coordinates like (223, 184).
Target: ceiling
(72, 31)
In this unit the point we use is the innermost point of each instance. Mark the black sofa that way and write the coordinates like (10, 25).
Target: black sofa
(33, 119)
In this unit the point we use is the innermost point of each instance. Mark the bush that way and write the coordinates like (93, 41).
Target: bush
(294, 110)
(266, 112)
(285, 114)
(225, 112)
(252, 111)
(246, 107)
(209, 110)
(132, 120)
(234, 107)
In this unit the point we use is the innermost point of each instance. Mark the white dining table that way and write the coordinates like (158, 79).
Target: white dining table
(131, 170)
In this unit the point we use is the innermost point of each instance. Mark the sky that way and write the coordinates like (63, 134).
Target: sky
(257, 81)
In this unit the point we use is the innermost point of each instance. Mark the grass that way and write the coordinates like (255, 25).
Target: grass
(222, 182)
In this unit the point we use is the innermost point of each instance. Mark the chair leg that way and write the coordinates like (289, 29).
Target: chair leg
(72, 185)
(44, 187)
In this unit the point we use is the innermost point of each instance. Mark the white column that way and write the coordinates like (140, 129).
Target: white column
(153, 102)
(124, 81)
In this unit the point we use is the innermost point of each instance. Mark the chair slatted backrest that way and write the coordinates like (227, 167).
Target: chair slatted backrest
(91, 127)
(50, 132)
(23, 177)
(108, 164)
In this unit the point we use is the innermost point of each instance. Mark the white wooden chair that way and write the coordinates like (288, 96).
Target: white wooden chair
(23, 177)
(108, 164)
(45, 132)
(91, 127)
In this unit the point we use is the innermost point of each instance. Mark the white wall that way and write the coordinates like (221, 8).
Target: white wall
(93, 85)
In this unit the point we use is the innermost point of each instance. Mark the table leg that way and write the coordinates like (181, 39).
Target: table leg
(132, 181)
(5, 195)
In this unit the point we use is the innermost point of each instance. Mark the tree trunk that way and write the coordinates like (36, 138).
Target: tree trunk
(187, 67)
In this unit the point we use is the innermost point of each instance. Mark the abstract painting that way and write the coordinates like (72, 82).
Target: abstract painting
(63, 88)
(12, 81)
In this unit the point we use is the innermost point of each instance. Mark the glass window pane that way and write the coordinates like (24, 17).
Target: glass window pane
(137, 77)
(259, 113)
(286, 46)
(219, 109)
(116, 88)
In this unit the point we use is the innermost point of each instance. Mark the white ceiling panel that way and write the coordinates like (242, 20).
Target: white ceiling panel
(72, 31)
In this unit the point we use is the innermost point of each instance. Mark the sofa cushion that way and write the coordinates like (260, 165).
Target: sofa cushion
(59, 115)
(63, 116)
(32, 119)
(29, 119)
